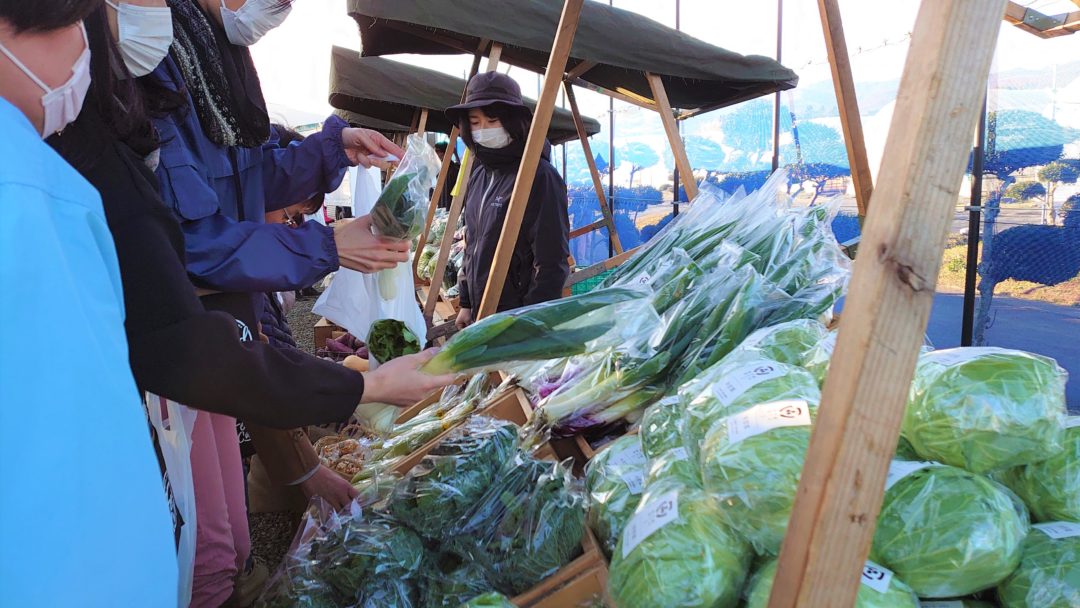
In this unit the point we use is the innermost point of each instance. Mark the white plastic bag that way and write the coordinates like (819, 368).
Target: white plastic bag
(173, 424)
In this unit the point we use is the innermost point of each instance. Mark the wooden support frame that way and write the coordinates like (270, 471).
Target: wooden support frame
(605, 209)
(667, 116)
(850, 119)
(1043, 26)
(421, 126)
(840, 490)
(534, 146)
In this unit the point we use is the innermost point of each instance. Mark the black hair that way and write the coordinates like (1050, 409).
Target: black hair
(45, 15)
(441, 147)
(515, 120)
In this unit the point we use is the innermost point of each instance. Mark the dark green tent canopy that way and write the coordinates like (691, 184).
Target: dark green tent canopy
(623, 45)
(359, 120)
(392, 91)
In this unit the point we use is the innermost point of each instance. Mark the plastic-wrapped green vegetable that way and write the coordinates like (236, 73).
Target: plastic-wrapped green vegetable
(390, 339)
(1049, 572)
(1051, 488)
(488, 600)
(676, 553)
(452, 582)
(948, 532)
(614, 479)
(751, 462)
(789, 343)
(985, 409)
(661, 427)
(880, 588)
(453, 476)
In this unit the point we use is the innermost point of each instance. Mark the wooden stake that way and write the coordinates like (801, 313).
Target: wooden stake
(850, 120)
(854, 437)
(678, 150)
(605, 209)
(422, 127)
(534, 146)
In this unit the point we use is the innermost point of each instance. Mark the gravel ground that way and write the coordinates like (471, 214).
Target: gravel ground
(272, 533)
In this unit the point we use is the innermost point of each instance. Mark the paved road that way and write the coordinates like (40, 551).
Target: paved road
(1036, 327)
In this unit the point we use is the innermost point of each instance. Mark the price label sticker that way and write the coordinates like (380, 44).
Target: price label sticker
(1072, 422)
(630, 457)
(644, 279)
(654, 515)
(899, 469)
(634, 480)
(1058, 530)
(742, 379)
(767, 416)
(876, 577)
(679, 454)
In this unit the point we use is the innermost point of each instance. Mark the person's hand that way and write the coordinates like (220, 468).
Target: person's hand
(360, 144)
(359, 249)
(329, 486)
(400, 381)
(464, 318)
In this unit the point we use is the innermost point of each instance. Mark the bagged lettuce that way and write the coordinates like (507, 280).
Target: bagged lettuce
(790, 342)
(879, 588)
(1051, 488)
(676, 553)
(947, 532)
(488, 600)
(751, 462)
(1049, 572)
(451, 581)
(614, 480)
(985, 409)
(661, 427)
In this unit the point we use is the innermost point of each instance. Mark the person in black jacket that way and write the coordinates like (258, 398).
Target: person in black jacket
(494, 123)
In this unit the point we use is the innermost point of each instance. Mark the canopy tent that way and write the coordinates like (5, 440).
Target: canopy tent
(359, 120)
(620, 46)
(392, 91)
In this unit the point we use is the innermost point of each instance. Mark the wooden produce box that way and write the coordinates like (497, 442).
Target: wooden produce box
(580, 583)
(325, 330)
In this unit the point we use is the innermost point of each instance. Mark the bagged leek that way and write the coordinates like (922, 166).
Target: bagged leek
(401, 209)
(542, 331)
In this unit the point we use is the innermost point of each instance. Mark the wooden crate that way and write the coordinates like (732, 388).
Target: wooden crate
(325, 330)
(578, 583)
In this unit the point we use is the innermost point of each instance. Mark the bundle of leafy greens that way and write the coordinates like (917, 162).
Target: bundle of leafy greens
(751, 462)
(453, 476)
(614, 479)
(453, 581)
(947, 532)
(790, 343)
(879, 588)
(542, 331)
(985, 409)
(390, 339)
(400, 212)
(488, 600)
(676, 552)
(1051, 488)
(1049, 572)
(526, 526)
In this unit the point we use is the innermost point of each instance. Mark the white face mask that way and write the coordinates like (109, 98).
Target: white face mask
(254, 19)
(62, 104)
(494, 138)
(145, 35)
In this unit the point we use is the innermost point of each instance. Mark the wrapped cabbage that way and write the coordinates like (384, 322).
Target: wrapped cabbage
(674, 465)
(527, 525)
(789, 343)
(904, 451)
(880, 588)
(661, 427)
(985, 409)
(947, 532)
(488, 600)
(751, 462)
(1051, 488)
(614, 479)
(817, 359)
(676, 553)
(1049, 572)
(453, 476)
(736, 384)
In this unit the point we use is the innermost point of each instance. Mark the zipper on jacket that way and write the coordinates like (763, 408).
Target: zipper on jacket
(487, 193)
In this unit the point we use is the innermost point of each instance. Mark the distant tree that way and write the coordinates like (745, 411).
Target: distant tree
(577, 170)
(1016, 139)
(747, 180)
(1053, 174)
(1022, 191)
(640, 156)
(702, 152)
(749, 130)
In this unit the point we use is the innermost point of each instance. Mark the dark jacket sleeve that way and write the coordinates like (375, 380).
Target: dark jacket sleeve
(549, 238)
(303, 169)
(182, 352)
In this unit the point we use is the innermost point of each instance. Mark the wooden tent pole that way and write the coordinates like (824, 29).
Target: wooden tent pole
(846, 101)
(678, 150)
(455, 211)
(534, 147)
(422, 126)
(444, 170)
(605, 210)
(855, 434)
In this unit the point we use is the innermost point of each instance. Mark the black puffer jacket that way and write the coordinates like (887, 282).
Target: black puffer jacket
(539, 266)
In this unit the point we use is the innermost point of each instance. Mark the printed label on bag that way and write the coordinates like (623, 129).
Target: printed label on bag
(876, 577)
(679, 454)
(634, 480)
(767, 416)
(952, 356)
(1072, 422)
(744, 378)
(1058, 530)
(630, 457)
(658, 513)
(644, 279)
(899, 469)
(941, 604)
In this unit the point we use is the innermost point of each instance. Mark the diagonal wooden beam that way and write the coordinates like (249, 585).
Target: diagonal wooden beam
(605, 209)
(888, 304)
(678, 150)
